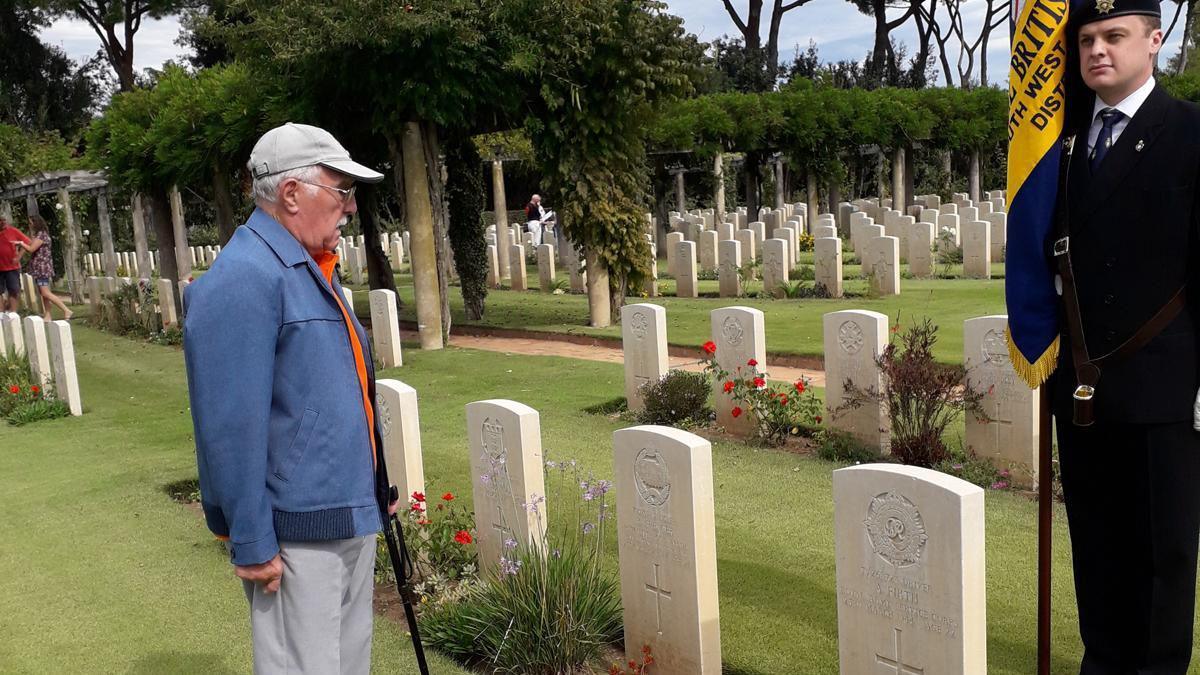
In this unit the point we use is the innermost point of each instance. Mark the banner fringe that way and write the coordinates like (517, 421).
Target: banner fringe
(1036, 373)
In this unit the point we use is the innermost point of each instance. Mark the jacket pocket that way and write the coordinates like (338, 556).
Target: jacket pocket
(295, 452)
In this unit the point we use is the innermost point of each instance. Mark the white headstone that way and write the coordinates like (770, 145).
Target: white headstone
(396, 404)
(909, 544)
(38, 350)
(775, 266)
(644, 343)
(885, 265)
(62, 359)
(686, 283)
(666, 534)
(493, 271)
(14, 333)
(728, 269)
(506, 473)
(999, 235)
(920, 249)
(1009, 436)
(977, 249)
(166, 303)
(827, 264)
(518, 275)
(853, 340)
(708, 250)
(546, 273)
(385, 327)
(740, 336)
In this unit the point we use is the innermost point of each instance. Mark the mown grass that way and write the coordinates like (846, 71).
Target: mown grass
(102, 572)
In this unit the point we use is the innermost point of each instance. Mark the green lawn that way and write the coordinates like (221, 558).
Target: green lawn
(101, 572)
(793, 326)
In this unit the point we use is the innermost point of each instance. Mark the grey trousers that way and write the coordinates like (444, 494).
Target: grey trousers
(320, 621)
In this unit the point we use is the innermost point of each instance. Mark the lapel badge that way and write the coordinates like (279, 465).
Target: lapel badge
(1104, 6)
(1140, 144)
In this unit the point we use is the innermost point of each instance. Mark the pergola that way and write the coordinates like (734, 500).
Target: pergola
(82, 183)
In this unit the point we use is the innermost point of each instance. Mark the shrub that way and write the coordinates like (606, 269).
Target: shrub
(922, 396)
(38, 409)
(438, 542)
(22, 401)
(679, 397)
(806, 241)
(551, 607)
(835, 445)
(974, 469)
(777, 411)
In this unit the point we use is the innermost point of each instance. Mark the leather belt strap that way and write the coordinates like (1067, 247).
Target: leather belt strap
(1087, 370)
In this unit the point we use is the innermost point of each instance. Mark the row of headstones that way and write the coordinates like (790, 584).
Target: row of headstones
(852, 341)
(353, 251)
(51, 353)
(93, 263)
(547, 255)
(909, 542)
(29, 299)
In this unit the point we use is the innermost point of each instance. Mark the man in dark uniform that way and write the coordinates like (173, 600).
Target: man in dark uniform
(1127, 236)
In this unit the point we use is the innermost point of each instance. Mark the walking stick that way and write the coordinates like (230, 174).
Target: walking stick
(1045, 513)
(402, 565)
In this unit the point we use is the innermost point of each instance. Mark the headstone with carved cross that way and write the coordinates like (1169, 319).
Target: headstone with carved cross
(911, 592)
(827, 264)
(644, 342)
(686, 275)
(775, 267)
(666, 536)
(729, 263)
(853, 340)
(977, 249)
(1009, 435)
(740, 336)
(505, 441)
(884, 256)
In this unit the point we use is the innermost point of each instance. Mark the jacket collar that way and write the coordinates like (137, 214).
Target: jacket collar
(286, 248)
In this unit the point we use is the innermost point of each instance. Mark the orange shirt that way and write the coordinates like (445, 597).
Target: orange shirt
(327, 261)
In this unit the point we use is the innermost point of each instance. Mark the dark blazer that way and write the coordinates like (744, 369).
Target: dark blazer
(1133, 229)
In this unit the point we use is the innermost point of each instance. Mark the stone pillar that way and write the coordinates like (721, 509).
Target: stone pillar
(31, 205)
(106, 236)
(500, 206)
(680, 194)
(779, 184)
(71, 248)
(141, 244)
(719, 186)
(899, 199)
(183, 259)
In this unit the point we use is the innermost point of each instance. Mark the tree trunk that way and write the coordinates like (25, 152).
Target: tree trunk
(881, 175)
(814, 198)
(599, 306)
(74, 271)
(109, 251)
(441, 219)
(183, 258)
(1185, 45)
(780, 195)
(141, 245)
(948, 169)
(409, 161)
(753, 167)
(500, 206)
(164, 234)
(974, 177)
(835, 197)
(379, 270)
(910, 172)
(680, 193)
(899, 198)
(465, 195)
(222, 203)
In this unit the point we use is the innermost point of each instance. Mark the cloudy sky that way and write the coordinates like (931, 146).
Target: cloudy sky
(839, 30)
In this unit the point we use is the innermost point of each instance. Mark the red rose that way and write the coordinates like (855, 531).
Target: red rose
(16, 390)
(759, 382)
(448, 497)
(728, 387)
(34, 388)
(463, 537)
(419, 496)
(710, 347)
(737, 411)
(799, 386)
(417, 506)
(752, 362)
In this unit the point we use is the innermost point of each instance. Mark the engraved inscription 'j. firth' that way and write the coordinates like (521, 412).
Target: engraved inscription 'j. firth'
(732, 331)
(639, 324)
(850, 337)
(493, 439)
(995, 348)
(895, 529)
(651, 476)
(385, 415)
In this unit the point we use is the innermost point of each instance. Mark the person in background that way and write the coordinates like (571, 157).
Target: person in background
(537, 218)
(10, 264)
(41, 266)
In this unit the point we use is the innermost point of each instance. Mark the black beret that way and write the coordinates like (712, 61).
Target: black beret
(1091, 11)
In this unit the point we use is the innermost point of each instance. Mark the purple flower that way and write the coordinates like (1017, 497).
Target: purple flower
(999, 485)
(485, 479)
(588, 527)
(958, 467)
(510, 543)
(509, 567)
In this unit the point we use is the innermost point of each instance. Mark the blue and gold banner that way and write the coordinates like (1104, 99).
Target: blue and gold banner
(1036, 119)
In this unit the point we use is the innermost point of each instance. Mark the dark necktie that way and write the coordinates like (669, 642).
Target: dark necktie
(1108, 117)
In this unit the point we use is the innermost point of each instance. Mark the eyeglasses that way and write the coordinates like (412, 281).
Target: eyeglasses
(345, 195)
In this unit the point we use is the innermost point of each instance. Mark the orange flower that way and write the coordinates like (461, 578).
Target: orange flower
(463, 537)
(448, 497)
(737, 411)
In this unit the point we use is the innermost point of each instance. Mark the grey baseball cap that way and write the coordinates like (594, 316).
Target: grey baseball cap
(293, 146)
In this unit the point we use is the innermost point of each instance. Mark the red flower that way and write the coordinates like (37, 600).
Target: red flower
(799, 386)
(417, 506)
(418, 496)
(463, 537)
(424, 521)
(728, 387)
(752, 362)
(759, 382)
(818, 418)
(710, 347)
(737, 411)
(448, 497)
(783, 399)
(16, 390)
(34, 388)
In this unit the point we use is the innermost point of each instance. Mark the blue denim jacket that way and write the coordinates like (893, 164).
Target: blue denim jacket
(282, 443)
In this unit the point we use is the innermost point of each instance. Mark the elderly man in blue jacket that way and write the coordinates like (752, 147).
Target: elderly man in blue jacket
(281, 383)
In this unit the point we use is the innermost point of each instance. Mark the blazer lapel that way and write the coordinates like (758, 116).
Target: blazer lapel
(1128, 151)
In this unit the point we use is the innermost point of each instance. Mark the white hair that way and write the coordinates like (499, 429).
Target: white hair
(266, 189)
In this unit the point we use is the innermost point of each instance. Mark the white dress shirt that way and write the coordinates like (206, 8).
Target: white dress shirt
(1128, 107)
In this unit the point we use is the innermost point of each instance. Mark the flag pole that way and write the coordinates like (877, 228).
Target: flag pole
(1045, 522)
